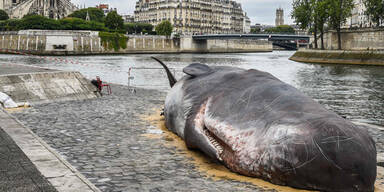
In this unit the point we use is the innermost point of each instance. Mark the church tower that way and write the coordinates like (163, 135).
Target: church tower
(279, 17)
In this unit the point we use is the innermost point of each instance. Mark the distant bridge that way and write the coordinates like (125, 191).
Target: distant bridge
(289, 42)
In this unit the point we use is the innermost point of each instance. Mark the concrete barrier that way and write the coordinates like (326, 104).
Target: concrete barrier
(339, 57)
(56, 42)
(47, 87)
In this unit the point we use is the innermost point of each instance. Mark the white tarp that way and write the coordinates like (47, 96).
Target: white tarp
(7, 101)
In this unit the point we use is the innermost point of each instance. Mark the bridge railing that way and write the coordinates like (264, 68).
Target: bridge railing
(271, 37)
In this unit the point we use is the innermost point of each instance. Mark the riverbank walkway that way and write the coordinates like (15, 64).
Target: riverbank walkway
(27, 163)
(113, 143)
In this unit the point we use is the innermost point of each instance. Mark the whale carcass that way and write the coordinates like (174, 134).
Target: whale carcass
(259, 126)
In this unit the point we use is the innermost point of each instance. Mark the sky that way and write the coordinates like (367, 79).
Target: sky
(259, 11)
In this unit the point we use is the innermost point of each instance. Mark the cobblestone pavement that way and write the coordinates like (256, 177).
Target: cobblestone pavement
(17, 172)
(103, 139)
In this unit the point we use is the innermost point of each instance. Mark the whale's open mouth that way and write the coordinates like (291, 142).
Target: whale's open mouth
(216, 142)
(217, 146)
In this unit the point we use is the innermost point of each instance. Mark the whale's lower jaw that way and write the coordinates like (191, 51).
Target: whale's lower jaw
(298, 180)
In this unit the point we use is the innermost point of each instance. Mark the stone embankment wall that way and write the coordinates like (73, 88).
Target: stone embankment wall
(88, 42)
(339, 57)
(47, 87)
(364, 39)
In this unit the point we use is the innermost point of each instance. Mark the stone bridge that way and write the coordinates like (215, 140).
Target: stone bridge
(284, 41)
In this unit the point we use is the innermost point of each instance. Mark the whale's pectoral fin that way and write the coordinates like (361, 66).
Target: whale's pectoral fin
(196, 69)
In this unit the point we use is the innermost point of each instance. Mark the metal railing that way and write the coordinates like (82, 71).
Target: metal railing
(136, 71)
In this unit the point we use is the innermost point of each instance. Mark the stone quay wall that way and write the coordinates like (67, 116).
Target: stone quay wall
(364, 39)
(45, 42)
(47, 87)
(339, 57)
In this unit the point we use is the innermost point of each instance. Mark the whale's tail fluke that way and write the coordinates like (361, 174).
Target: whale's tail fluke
(171, 78)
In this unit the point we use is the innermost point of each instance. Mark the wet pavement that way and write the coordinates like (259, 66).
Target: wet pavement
(17, 172)
(105, 140)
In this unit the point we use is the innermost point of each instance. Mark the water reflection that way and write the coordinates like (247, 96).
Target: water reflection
(356, 92)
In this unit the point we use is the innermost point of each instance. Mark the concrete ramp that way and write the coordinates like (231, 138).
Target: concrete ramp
(51, 86)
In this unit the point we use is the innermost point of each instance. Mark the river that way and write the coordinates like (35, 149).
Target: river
(355, 92)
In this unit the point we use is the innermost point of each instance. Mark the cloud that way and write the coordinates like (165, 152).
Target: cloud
(260, 11)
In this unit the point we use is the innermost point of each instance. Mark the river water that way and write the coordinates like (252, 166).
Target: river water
(355, 92)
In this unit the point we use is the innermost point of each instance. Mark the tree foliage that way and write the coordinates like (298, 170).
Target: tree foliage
(339, 11)
(302, 13)
(114, 41)
(164, 28)
(320, 11)
(375, 10)
(40, 22)
(95, 14)
(114, 21)
(256, 30)
(282, 29)
(132, 28)
(3, 15)
(314, 14)
(80, 24)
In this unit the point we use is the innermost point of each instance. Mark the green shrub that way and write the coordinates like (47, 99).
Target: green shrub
(9, 25)
(164, 28)
(113, 40)
(95, 14)
(282, 29)
(132, 28)
(38, 22)
(80, 24)
(114, 21)
(3, 15)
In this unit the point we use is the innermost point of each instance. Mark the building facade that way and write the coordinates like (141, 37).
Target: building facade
(246, 24)
(128, 18)
(194, 16)
(105, 8)
(279, 17)
(358, 18)
(55, 9)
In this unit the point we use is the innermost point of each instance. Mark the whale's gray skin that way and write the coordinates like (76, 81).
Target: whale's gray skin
(259, 126)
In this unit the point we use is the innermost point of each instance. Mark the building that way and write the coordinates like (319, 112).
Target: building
(279, 17)
(105, 8)
(128, 18)
(194, 16)
(246, 24)
(55, 9)
(358, 18)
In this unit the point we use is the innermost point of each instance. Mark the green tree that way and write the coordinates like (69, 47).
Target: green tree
(164, 28)
(95, 14)
(282, 29)
(38, 22)
(10, 25)
(114, 21)
(138, 27)
(320, 17)
(72, 23)
(339, 11)
(256, 30)
(3, 15)
(302, 14)
(375, 10)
